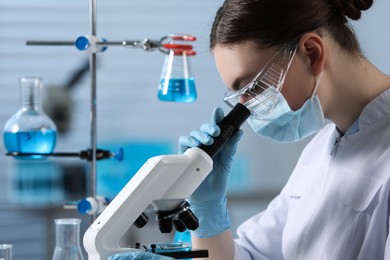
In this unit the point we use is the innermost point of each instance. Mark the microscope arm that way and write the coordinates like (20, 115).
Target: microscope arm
(164, 181)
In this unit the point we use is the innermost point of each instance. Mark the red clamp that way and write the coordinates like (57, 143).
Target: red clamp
(180, 49)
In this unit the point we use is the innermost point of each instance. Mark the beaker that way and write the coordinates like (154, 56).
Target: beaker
(5, 252)
(176, 83)
(30, 130)
(67, 239)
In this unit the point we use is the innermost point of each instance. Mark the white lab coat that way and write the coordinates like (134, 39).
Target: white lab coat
(336, 203)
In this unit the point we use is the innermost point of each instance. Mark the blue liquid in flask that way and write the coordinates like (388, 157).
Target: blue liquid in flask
(178, 90)
(30, 142)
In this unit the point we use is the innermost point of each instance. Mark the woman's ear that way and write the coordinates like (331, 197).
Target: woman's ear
(312, 46)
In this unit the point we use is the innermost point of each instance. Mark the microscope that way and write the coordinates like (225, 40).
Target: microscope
(164, 182)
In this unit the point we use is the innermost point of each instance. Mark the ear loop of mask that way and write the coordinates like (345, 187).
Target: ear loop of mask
(318, 79)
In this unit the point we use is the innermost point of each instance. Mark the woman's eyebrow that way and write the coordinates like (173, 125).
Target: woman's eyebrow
(236, 85)
(240, 82)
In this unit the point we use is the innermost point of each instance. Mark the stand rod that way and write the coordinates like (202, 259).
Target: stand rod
(93, 124)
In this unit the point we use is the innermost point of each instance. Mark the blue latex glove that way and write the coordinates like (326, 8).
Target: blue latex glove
(208, 202)
(138, 256)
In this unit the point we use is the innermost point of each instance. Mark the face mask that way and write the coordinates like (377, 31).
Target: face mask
(284, 125)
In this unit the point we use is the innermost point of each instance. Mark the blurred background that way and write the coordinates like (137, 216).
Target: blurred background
(32, 193)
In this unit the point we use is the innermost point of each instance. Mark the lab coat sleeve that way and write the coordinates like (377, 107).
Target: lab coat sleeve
(260, 237)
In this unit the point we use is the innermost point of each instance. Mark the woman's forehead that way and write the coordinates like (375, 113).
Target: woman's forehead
(239, 64)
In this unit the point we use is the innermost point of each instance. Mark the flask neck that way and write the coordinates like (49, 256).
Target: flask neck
(31, 93)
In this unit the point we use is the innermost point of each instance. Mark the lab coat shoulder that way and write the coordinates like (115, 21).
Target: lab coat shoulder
(261, 236)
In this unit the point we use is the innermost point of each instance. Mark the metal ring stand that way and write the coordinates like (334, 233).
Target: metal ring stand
(93, 44)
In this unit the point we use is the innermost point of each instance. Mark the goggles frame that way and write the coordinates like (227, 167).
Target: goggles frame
(263, 89)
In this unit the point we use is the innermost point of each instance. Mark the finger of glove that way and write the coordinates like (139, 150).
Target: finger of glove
(186, 142)
(199, 137)
(218, 115)
(211, 129)
(202, 137)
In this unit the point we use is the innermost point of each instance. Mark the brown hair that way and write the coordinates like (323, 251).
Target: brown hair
(268, 23)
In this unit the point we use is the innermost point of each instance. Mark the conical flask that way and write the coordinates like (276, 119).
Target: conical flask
(176, 82)
(67, 239)
(30, 130)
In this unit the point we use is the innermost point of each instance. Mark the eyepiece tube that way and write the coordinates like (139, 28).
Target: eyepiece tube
(229, 126)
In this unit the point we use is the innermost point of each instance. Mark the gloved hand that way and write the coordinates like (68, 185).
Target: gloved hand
(208, 202)
(138, 256)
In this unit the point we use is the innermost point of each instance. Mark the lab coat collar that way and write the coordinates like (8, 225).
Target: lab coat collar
(374, 111)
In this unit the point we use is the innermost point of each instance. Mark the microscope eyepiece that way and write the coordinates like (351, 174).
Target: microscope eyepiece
(229, 126)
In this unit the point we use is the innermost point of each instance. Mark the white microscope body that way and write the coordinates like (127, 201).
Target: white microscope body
(164, 181)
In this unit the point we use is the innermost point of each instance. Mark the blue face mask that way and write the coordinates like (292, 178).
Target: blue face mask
(285, 125)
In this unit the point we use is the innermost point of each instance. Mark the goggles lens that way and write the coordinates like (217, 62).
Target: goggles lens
(263, 89)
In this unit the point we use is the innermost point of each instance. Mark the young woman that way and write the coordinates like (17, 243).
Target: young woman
(295, 64)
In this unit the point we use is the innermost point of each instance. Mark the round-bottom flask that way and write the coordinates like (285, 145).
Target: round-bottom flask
(30, 130)
(67, 239)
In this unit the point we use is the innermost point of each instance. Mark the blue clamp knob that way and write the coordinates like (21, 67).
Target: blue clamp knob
(89, 43)
(92, 205)
(120, 154)
(84, 206)
(82, 43)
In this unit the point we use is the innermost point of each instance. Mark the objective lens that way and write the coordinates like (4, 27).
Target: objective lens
(189, 219)
(141, 220)
(165, 225)
(179, 226)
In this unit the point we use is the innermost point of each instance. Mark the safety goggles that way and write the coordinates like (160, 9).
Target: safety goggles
(263, 90)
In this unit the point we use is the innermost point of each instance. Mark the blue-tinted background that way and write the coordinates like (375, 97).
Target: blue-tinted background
(129, 112)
